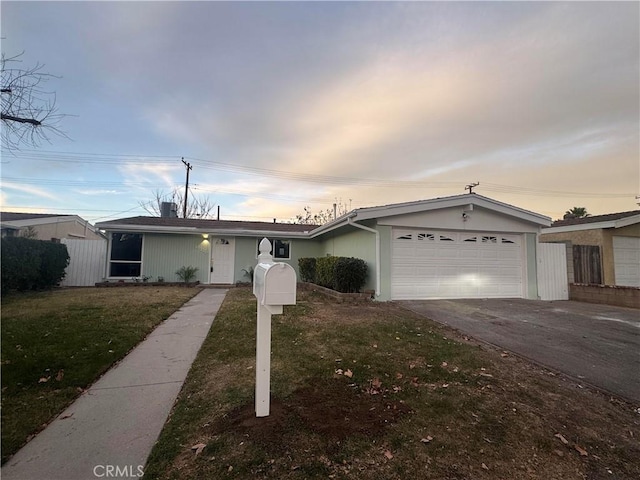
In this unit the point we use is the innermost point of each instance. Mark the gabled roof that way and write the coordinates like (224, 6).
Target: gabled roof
(462, 200)
(17, 220)
(192, 225)
(609, 220)
(241, 228)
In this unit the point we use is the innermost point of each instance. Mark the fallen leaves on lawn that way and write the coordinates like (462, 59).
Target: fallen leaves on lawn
(427, 439)
(60, 375)
(562, 439)
(198, 448)
(44, 379)
(388, 454)
(348, 373)
(374, 387)
(581, 451)
(64, 417)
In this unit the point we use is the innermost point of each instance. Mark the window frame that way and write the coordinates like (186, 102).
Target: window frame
(127, 262)
(273, 241)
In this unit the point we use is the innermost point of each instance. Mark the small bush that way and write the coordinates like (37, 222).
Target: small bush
(186, 274)
(307, 267)
(29, 264)
(325, 273)
(350, 274)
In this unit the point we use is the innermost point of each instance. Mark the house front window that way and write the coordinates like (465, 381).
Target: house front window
(126, 255)
(280, 249)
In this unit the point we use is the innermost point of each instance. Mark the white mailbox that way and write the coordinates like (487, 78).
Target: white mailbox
(274, 285)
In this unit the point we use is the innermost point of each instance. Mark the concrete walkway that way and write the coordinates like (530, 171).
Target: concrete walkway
(110, 430)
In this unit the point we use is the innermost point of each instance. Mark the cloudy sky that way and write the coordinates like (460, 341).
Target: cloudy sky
(282, 105)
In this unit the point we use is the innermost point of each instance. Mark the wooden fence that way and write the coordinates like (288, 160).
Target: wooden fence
(587, 264)
(86, 262)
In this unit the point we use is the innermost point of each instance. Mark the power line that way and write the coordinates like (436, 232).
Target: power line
(120, 159)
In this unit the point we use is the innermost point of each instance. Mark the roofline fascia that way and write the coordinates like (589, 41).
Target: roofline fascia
(47, 220)
(450, 202)
(626, 221)
(334, 224)
(622, 222)
(202, 231)
(579, 227)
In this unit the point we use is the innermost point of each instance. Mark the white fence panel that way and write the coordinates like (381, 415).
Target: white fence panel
(86, 262)
(553, 283)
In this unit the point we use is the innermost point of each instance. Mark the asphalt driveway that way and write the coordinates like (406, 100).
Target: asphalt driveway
(598, 344)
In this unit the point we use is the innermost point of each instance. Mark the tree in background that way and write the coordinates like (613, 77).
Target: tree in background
(577, 212)
(322, 217)
(29, 112)
(29, 232)
(197, 207)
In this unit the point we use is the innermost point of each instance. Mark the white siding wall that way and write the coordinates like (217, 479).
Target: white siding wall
(86, 262)
(553, 283)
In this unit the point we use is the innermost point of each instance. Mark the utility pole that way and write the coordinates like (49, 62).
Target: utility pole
(186, 189)
(471, 186)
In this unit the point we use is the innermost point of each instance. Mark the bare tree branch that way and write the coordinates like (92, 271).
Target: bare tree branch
(197, 206)
(29, 112)
(322, 217)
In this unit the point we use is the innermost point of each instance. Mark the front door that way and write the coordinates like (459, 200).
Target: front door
(222, 260)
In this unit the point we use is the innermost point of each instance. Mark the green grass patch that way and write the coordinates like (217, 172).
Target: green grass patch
(372, 391)
(56, 343)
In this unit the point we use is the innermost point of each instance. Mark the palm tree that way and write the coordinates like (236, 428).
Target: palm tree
(577, 212)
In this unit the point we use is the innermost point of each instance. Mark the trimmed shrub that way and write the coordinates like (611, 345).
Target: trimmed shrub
(350, 274)
(32, 264)
(307, 267)
(54, 261)
(325, 272)
(187, 274)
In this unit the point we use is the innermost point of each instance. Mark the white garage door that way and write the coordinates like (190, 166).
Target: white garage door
(626, 260)
(436, 264)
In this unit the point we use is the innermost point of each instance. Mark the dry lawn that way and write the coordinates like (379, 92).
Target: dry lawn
(372, 391)
(56, 343)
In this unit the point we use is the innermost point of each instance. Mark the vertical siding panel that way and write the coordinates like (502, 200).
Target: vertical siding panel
(553, 282)
(86, 262)
(163, 254)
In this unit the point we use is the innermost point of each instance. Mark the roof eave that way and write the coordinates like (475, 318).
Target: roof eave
(200, 231)
(449, 202)
(623, 222)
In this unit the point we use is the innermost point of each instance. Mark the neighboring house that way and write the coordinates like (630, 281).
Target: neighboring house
(605, 248)
(464, 246)
(47, 226)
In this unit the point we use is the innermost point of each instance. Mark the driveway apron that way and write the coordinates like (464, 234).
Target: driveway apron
(596, 344)
(109, 431)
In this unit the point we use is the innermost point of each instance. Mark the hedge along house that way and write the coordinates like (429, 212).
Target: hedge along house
(464, 246)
